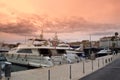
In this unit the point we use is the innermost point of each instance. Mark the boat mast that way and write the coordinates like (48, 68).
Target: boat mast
(41, 35)
(55, 40)
(90, 46)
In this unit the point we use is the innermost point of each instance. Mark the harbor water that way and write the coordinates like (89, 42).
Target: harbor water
(16, 68)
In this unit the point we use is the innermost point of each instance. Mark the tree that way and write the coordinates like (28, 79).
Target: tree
(116, 34)
(116, 38)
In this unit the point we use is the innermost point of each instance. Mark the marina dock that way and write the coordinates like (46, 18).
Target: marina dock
(65, 72)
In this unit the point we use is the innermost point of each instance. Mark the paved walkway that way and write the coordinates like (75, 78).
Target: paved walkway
(110, 72)
(62, 72)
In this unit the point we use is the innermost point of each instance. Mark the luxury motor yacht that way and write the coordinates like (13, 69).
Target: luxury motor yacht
(71, 54)
(37, 56)
(29, 55)
(104, 52)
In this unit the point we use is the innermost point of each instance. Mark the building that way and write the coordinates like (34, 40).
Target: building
(86, 44)
(109, 42)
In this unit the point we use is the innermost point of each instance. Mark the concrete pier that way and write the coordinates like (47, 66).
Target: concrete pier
(64, 72)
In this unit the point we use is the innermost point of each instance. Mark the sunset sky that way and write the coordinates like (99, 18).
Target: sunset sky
(73, 20)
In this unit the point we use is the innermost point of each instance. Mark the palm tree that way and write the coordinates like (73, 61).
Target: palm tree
(113, 43)
(116, 34)
(114, 40)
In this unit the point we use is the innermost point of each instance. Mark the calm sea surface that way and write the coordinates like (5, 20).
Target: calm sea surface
(16, 68)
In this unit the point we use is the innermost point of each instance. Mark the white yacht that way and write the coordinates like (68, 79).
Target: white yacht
(71, 54)
(104, 52)
(29, 55)
(36, 56)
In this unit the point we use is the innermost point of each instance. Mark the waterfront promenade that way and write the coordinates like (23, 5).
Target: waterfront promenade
(110, 72)
(66, 71)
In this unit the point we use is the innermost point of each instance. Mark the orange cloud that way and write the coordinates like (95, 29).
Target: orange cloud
(28, 17)
(102, 11)
(31, 24)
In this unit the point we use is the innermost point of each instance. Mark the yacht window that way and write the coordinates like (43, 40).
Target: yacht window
(3, 58)
(44, 52)
(24, 51)
(61, 51)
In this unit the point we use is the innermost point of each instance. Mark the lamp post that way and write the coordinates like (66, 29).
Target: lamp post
(116, 39)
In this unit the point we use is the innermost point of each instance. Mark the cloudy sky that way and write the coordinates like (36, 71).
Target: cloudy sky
(73, 20)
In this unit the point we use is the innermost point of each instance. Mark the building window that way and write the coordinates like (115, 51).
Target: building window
(24, 51)
(45, 52)
(61, 51)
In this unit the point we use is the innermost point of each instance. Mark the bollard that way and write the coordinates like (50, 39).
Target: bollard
(83, 67)
(111, 59)
(0, 72)
(103, 61)
(92, 65)
(48, 74)
(106, 61)
(60, 62)
(70, 73)
(7, 70)
(98, 63)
